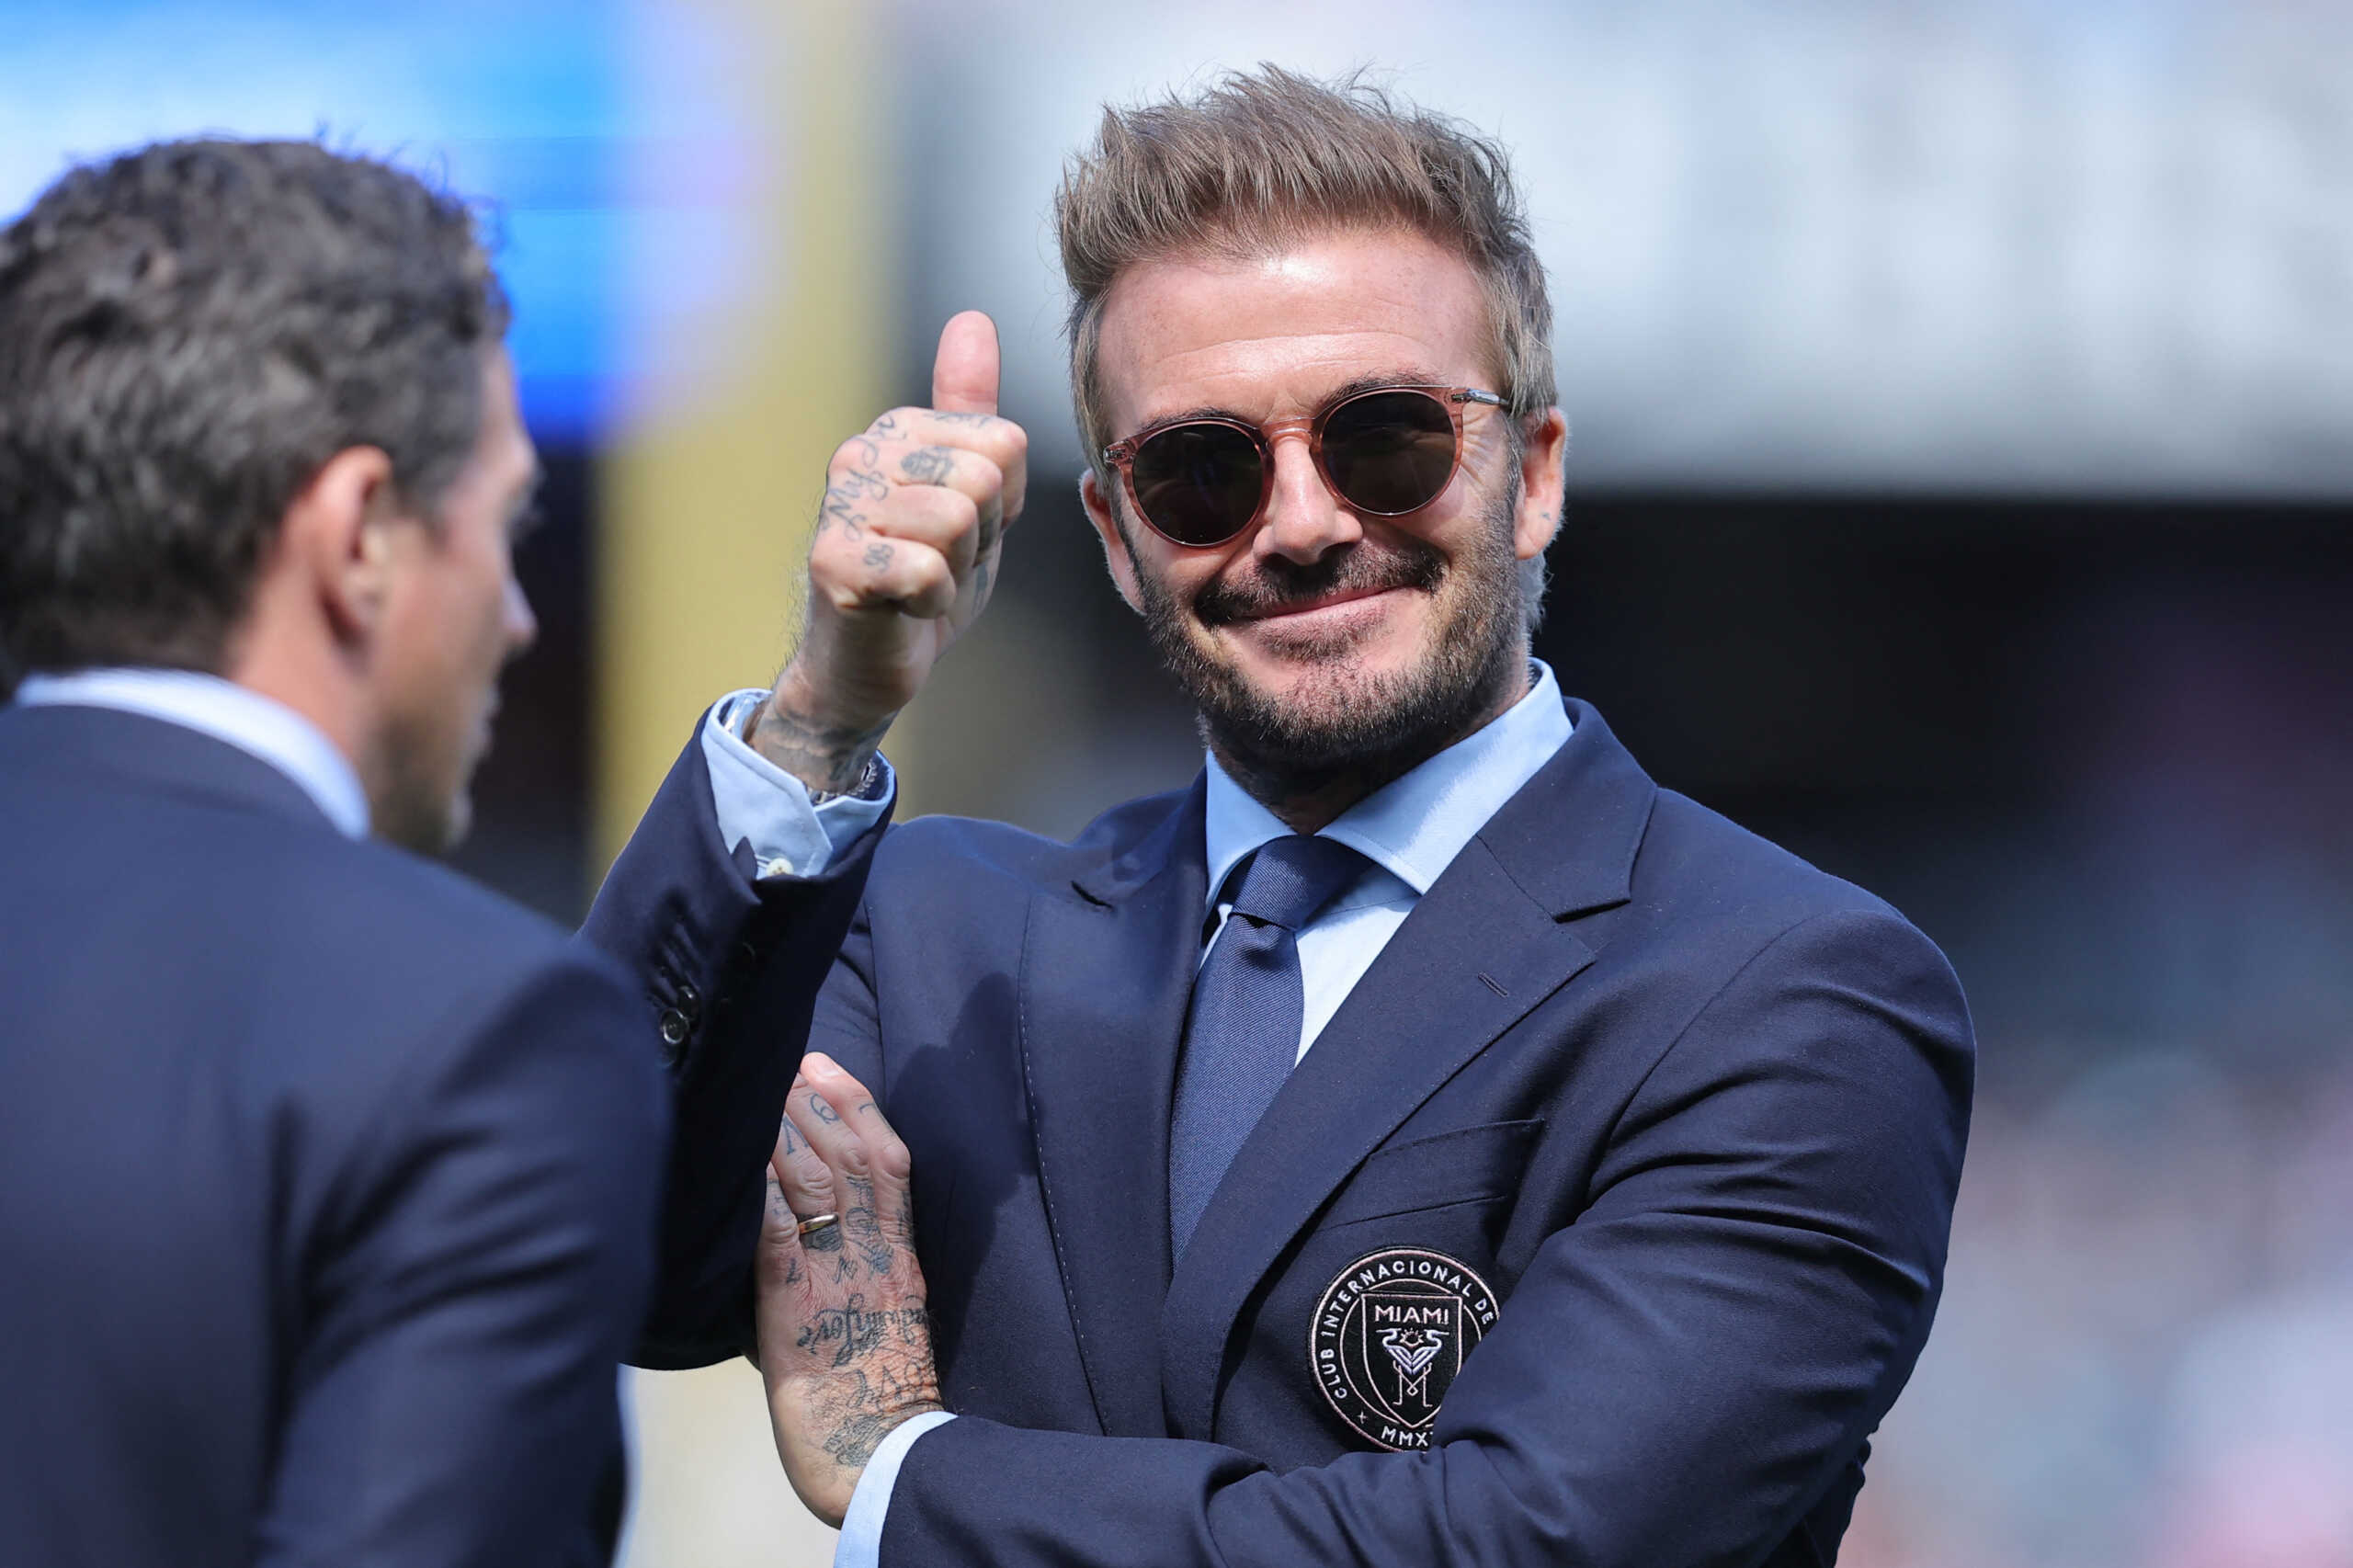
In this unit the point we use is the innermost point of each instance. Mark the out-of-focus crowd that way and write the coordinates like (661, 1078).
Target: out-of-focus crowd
(2145, 1356)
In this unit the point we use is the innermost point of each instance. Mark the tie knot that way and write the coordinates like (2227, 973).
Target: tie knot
(1289, 879)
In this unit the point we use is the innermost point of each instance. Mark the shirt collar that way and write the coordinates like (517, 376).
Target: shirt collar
(1414, 825)
(257, 725)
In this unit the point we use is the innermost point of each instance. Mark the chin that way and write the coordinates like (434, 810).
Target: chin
(428, 817)
(1308, 674)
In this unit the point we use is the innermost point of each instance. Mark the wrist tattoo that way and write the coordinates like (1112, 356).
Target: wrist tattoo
(830, 758)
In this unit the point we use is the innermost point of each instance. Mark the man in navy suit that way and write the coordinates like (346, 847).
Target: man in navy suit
(1421, 1139)
(330, 1184)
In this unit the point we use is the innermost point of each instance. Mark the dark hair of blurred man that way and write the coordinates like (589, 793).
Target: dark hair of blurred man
(1422, 1138)
(328, 1182)
(256, 421)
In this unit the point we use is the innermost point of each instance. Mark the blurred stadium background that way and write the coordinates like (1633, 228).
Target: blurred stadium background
(1963, 409)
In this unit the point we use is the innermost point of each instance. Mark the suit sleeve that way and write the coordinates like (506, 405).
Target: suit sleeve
(728, 965)
(475, 1277)
(1679, 1375)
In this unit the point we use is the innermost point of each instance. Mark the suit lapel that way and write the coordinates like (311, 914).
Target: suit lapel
(1105, 977)
(1485, 946)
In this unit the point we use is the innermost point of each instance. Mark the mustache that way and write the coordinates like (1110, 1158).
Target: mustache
(1278, 584)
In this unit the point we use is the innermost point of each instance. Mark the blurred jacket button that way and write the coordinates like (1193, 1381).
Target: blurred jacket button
(676, 1026)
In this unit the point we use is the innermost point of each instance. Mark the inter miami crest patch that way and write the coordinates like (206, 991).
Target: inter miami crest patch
(1389, 1336)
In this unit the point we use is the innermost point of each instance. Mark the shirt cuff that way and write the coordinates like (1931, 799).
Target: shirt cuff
(862, 1542)
(760, 804)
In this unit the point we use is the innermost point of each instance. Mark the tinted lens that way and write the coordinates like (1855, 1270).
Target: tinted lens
(1197, 484)
(1390, 452)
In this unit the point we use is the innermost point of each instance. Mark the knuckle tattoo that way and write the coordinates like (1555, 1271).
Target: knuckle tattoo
(929, 465)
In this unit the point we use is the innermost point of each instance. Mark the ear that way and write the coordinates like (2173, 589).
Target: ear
(1115, 543)
(337, 538)
(1543, 463)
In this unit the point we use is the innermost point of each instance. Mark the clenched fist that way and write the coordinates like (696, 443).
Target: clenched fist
(905, 552)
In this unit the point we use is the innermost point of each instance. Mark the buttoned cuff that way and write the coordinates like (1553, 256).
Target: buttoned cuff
(862, 1542)
(760, 804)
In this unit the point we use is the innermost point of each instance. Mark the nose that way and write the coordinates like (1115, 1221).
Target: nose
(522, 625)
(1304, 520)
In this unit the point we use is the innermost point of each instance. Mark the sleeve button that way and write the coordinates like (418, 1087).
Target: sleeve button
(674, 1029)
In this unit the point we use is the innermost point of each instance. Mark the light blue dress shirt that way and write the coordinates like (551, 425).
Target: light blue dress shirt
(1410, 830)
(257, 725)
(760, 804)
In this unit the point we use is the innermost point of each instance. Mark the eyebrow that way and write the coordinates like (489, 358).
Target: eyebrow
(1346, 389)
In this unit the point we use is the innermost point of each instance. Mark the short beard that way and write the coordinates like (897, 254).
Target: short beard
(1371, 729)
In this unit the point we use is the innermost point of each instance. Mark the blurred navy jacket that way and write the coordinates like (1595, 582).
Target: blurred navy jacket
(330, 1184)
(1602, 1225)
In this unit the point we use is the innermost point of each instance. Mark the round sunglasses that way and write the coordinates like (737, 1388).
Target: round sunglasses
(1203, 479)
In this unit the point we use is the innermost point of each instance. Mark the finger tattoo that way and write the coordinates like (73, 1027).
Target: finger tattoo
(928, 465)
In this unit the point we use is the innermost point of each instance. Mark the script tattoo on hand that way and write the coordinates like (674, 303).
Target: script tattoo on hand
(850, 1332)
(848, 492)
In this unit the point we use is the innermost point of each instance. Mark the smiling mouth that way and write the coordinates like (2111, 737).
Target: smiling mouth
(1287, 609)
(1275, 592)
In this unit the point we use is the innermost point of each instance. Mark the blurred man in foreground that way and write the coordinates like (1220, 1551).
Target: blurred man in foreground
(1422, 1140)
(329, 1184)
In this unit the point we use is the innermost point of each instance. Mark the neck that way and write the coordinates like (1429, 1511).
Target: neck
(310, 675)
(1308, 797)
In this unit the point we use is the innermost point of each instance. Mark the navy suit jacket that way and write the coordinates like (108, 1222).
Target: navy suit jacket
(1679, 1117)
(330, 1184)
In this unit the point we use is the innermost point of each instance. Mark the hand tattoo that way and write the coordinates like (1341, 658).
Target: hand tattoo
(864, 1228)
(882, 1367)
(929, 465)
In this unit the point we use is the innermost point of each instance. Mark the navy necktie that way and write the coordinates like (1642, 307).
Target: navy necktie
(1242, 1034)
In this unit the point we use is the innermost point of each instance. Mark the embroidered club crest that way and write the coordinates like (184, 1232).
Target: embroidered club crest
(1388, 1338)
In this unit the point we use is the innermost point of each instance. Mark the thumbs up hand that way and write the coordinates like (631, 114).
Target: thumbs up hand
(906, 551)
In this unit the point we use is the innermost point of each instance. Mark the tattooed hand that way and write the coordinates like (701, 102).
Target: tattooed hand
(905, 552)
(844, 1345)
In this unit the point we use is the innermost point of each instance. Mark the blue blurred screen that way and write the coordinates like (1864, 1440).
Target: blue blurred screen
(518, 105)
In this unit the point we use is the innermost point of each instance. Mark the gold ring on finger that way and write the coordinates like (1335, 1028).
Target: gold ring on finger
(816, 1223)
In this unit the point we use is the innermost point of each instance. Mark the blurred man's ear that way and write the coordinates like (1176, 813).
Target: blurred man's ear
(338, 537)
(1115, 545)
